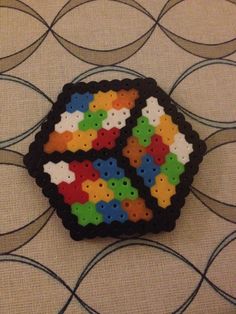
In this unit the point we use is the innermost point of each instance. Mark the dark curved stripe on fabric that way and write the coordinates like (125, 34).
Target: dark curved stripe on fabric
(15, 239)
(21, 6)
(15, 139)
(169, 5)
(12, 240)
(220, 138)
(226, 211)
(10, 62)
(121, 244)
(208, 51)
(70, 5)
(104, 57)
(184, 75)
(137, 6)
(223, 210)
(101, 69)
(11, 157)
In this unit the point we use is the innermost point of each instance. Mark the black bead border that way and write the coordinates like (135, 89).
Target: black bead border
(164, 219)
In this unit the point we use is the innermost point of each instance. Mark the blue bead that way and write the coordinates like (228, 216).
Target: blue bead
(141, 171)
(148, 170)
(101, 207)
(79, 102)
(111, 211)
(149, 181)
(108, 169)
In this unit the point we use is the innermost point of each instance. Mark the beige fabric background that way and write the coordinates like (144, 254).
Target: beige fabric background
(39, 263)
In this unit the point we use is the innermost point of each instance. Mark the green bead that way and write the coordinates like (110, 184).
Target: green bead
(122, 189)
(92, 120)
(143, 131)
(142, 121)
(172, 168)
(112, 184)
(144, 140)
(86, 213)
(136, 131)
(132, 194)
(125, 182)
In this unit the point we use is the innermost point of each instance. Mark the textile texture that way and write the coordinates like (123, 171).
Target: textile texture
(189, 48)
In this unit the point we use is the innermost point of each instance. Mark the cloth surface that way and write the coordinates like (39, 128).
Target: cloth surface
(189, 48)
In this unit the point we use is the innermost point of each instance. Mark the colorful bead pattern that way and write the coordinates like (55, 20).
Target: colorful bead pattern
(99, 191)
(115, 158)
(158, 151)
(91, 121)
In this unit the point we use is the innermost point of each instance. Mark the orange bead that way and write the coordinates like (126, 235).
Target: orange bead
(134, 152)
(57, 142)
(125, 99)
(137, 210)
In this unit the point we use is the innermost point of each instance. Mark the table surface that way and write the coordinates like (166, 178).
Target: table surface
(189, 48)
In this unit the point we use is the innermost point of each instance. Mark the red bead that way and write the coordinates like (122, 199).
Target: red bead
(157, 149)
(84, 171)
(73, 193)
(106, 138)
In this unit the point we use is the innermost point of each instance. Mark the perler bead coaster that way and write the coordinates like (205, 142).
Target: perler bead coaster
(115, 158)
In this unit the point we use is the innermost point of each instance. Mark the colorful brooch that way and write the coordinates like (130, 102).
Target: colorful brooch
(115, 158)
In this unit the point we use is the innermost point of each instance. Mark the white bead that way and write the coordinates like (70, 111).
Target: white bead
(59, 172)
(181, 148)
(69, 121)
(153, 111)
(116, 118)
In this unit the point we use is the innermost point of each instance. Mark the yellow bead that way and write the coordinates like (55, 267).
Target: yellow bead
(166, 129)
(97, 190)
(102, 101)
(163, 190)
(81, 140)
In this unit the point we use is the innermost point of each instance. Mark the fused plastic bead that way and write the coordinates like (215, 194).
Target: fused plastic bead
(84, 170)
(103, 143)
(148, 170)
(125, 99)
(143, 131)
(157, 149)
(59, 172)
(82, 140)
(86, 213)
(69, 121)
(57, 142)
(163, 190)
(153, 111)
(134, 151)
(92, 120)
(79, 102)
(106, 139)
(136, 210)
(116, 118)
(181, 148)
(172, 168)
(166, 129)
(122, 189)
(72, 192)
(102, 100)
(112, 211)
(98, 190)
(108, 169)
